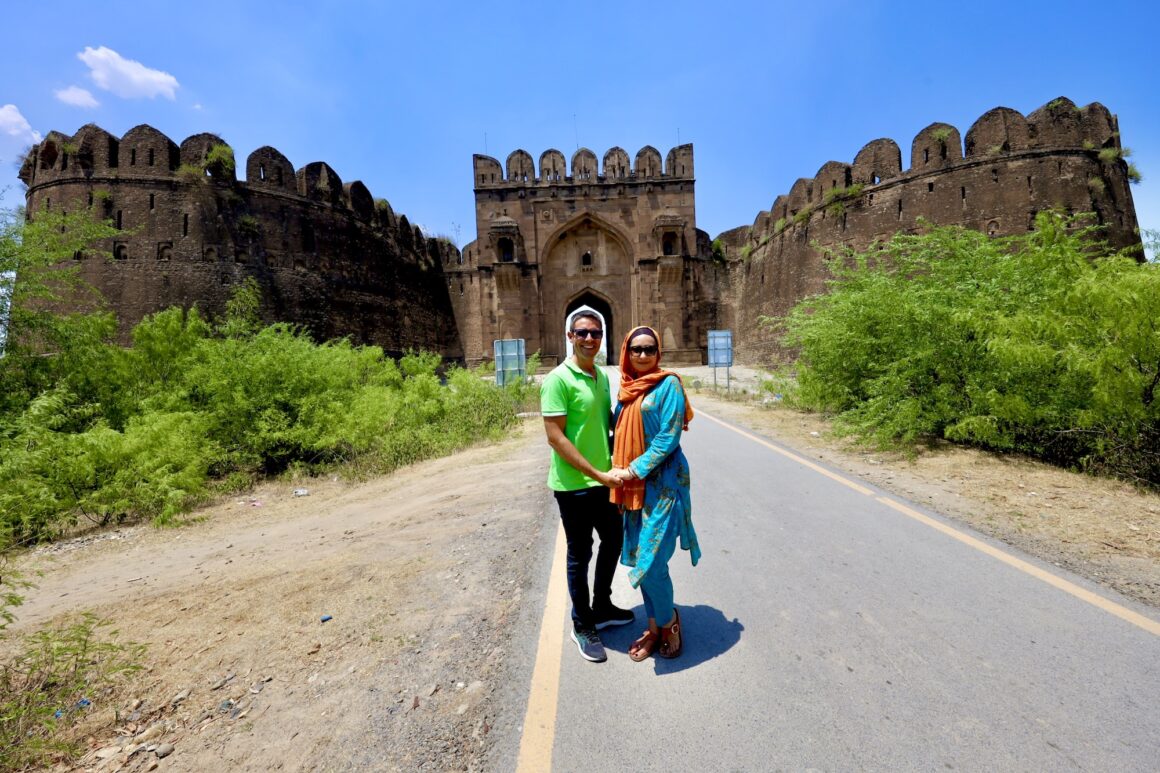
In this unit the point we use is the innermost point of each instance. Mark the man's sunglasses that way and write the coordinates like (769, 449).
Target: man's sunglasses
(646, 351)
(593, 334)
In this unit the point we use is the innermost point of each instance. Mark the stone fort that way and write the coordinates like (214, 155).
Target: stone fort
(618, 235)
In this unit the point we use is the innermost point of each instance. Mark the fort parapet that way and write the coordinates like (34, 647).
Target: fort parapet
(1009, 168)
(326, 254)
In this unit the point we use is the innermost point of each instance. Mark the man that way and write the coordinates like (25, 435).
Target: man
(576, 405)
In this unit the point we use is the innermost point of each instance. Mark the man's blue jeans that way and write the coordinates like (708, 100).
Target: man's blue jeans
(581, 513)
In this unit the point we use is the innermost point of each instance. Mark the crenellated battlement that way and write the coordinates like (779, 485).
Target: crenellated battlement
(93, 155)
(998, 136)
(329, 256)
(995, 178)
(615, 167)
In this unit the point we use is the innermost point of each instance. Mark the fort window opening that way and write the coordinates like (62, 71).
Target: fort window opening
(995, 175)
(133, 157)
(262, 172)
(277, 175)
(925, 155)
(942, 151)
(875, 180)
(963, 192)
(118, 220)
(185, 224)
(90, 198)
(149, 160)
(586, 260)
(669, 244)
(507, 251)
(930, 187)
(152, 201)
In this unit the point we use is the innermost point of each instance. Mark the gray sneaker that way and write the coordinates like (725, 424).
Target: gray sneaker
(588, 642)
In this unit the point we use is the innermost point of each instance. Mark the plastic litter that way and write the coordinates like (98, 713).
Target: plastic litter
(326, 618)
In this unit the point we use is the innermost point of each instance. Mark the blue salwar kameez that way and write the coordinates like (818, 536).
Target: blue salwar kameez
(651, 533)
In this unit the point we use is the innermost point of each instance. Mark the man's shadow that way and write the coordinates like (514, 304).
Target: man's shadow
(707, 634)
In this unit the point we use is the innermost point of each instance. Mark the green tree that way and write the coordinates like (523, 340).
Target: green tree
(39, 271)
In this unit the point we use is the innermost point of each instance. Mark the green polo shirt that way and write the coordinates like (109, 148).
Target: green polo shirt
(587, 402)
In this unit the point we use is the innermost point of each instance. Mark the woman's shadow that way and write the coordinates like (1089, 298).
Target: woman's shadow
(707, 634)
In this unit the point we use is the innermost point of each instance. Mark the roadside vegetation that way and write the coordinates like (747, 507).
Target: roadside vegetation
(1046, 343)
(95, 433)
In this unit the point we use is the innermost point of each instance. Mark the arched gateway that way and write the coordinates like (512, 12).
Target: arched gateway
(621, 241)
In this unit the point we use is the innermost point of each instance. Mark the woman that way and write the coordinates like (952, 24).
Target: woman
(651, 412)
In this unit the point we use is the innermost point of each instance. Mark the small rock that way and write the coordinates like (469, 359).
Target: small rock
(314, 648)
(462, 709)
(432, 690)
(164, 750)
(257, 687)
(181, 696)
(135, 705)
(107, 752)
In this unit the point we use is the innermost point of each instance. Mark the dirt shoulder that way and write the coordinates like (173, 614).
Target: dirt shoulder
(421, 575)
(1101, 529)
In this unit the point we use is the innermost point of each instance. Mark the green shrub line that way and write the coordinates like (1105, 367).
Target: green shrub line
(1045, 343)
(192, 409)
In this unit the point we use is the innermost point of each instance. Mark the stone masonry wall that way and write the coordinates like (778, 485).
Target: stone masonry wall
(1009, 168)
(325, 254)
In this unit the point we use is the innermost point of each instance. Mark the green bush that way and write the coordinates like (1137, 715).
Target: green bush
(191, 409)
(1043, 343)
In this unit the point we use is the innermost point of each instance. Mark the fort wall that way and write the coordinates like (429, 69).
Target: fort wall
(326, 255)
(1008, 168)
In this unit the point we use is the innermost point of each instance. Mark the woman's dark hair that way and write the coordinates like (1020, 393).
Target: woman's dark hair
(643, 330)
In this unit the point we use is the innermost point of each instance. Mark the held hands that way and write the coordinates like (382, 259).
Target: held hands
(610, 480)
(621, 474)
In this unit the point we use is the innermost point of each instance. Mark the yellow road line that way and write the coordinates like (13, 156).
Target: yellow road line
(1096, 600)
(540, 719)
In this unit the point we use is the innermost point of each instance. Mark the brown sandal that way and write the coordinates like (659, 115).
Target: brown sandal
(644, 646)
(671, 643)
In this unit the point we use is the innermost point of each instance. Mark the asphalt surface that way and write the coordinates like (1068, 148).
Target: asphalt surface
(828, 631)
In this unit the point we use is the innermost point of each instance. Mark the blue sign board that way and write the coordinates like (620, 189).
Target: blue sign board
(721, 348)
(510, 363)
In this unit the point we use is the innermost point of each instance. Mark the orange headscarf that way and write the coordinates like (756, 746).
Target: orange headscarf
(629, 432)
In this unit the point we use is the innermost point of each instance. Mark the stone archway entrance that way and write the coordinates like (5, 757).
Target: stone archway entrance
(590, 300)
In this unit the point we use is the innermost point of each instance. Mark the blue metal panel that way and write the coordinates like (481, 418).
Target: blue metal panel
(721, 348)
(510, 362)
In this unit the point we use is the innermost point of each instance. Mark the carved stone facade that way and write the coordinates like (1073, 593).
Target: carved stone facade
(618, 236)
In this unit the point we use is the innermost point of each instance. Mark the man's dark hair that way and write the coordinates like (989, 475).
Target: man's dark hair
(592, 315)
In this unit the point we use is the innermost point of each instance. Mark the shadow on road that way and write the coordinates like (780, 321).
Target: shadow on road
(708, 633)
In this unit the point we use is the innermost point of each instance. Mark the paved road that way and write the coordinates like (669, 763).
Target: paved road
(827, 629)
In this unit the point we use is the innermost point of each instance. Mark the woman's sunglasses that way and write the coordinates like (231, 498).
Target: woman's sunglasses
(645, 351)
(593, 334)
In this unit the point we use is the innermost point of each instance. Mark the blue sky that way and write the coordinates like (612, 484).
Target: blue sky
(400, 95)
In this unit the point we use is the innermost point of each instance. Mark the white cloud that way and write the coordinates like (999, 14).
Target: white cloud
(76, 96)
(13, 124)
(125, 77)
